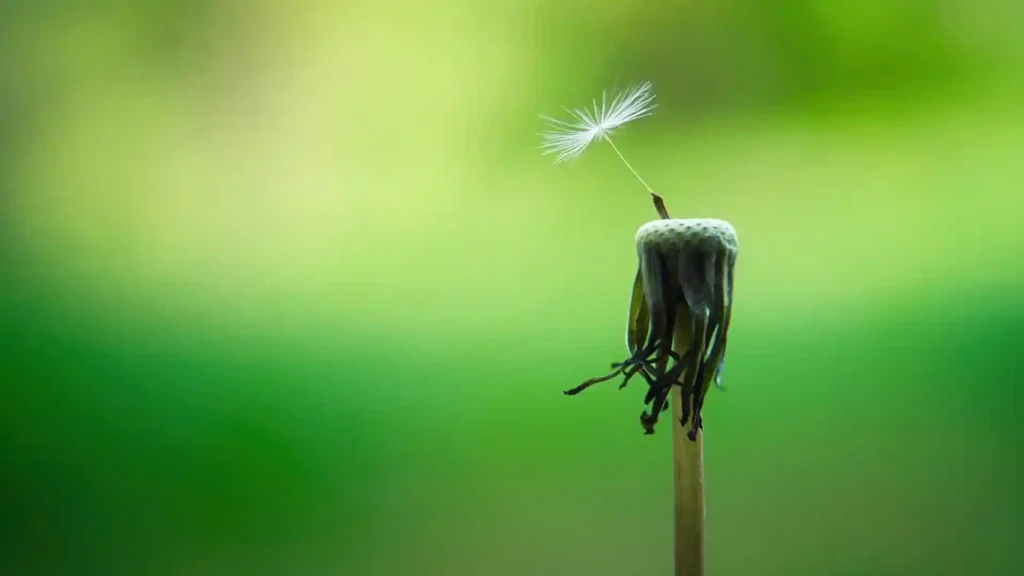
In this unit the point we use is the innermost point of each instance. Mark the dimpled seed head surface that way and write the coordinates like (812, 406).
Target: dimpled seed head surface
(675, 234)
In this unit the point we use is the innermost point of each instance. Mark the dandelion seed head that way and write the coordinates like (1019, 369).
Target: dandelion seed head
(569, 139)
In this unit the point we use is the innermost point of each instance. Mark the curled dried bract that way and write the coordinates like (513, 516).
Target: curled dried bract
(679, 315)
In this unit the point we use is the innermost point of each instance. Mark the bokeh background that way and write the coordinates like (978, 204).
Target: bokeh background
(286, 288)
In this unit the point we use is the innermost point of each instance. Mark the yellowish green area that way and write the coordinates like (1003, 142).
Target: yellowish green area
(287, 288)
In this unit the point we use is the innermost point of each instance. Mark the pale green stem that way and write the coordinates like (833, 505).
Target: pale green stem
(688, 473)
(628, 165)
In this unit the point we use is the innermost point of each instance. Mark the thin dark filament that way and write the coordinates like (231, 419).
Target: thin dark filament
(691, 369)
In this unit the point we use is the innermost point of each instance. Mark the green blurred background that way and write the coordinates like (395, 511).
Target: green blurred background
(287, 289)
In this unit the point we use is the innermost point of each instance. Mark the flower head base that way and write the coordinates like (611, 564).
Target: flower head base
(679, 315)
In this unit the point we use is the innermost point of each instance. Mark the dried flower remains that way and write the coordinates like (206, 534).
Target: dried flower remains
(679, 314)
(681, 303)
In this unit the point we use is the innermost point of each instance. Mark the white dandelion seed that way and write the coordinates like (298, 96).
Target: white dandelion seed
(568, 140)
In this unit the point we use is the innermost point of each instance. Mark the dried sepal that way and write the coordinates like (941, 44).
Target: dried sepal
(679, 315)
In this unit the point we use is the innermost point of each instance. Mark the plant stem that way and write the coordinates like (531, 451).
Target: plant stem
(688, 472)
(687, 455)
